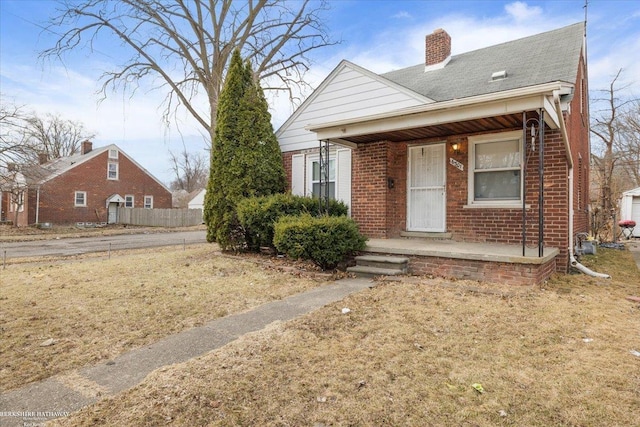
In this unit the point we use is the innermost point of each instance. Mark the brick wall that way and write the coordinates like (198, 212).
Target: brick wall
(381, 211)
(286, 160)
(57, 195)
(578, 132)
(397, 196)
(504, 273)
(505, 225)
(369, 188)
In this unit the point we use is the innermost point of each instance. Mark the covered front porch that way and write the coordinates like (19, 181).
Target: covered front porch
(484, 169)
(489, 262)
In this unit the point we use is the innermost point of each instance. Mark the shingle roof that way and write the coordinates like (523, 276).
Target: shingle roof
(542, 58)
(41, 173)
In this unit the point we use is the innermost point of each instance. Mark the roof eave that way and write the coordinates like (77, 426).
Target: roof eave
(487, 105)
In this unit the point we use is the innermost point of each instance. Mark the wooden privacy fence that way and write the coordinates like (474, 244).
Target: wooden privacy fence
(160, 217)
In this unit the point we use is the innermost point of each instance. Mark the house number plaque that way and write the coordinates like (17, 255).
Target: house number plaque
(456, 163)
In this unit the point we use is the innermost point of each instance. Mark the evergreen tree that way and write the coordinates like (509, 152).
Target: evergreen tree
(245, 156)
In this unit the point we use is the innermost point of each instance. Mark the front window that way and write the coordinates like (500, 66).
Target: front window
(316, 189)
(113, 154)
(113, 171)
(80, 198)
(495, 172)
(148, 202)
(128, 201)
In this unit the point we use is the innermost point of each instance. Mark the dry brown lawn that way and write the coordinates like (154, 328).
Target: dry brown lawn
(95, 308)
(410, 353)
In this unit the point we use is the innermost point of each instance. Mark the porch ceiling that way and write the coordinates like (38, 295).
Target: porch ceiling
(490, 112)
(508, 121)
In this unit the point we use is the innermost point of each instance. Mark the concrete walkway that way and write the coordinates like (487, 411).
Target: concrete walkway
(56, 396)
(634, 247)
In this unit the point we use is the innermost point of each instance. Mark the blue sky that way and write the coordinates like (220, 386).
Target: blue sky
(378, 35)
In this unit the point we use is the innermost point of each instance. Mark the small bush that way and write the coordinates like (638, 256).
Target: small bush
(324, 240)
(257, 215)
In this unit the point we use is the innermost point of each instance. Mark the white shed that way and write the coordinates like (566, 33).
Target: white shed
(630, 208)
(197, 201)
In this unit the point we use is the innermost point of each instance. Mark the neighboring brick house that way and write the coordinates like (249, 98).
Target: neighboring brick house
(86, 188)
(445, 148)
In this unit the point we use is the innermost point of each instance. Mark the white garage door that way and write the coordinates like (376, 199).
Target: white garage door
(635, 215)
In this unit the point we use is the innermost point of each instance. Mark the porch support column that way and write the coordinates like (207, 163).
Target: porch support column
(525, 123)
(541, 185)
(323, 197)
(524, 183)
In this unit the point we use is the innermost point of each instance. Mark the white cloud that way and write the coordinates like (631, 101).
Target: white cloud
(403, 14)
(398, 47)
(521, 11)
(603, 68)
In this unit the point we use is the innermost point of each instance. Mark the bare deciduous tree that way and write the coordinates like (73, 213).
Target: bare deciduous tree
(54, 136)
(14, 149)
(628, 146)
(191, 170)
(608, 153)
(24, 137)
(186, 44)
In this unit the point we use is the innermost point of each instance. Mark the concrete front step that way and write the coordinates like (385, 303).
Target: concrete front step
(379, 265)
(366, 271)
(425, 235)
(382, 261)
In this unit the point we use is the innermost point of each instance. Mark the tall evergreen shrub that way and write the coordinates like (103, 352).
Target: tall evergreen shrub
(245, 157)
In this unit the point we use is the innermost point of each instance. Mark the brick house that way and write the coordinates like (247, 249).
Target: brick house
(453, 149)
(87, 187)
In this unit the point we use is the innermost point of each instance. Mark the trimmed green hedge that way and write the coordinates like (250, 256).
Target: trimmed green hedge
(257, 215)
(325, 240)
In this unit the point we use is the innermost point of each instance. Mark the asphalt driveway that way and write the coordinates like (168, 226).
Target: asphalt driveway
(83, 245)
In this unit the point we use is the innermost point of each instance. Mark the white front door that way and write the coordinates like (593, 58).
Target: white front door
(426, 193)
(113, 213)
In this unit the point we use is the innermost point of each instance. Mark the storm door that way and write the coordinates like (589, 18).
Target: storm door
(426, 200)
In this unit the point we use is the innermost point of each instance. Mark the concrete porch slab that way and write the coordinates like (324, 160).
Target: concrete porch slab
(487, 252)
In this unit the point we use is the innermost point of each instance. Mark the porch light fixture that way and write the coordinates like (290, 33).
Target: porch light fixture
(455, 146)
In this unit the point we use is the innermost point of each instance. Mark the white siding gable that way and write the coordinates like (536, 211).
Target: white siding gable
(348, 92)
(198, 200)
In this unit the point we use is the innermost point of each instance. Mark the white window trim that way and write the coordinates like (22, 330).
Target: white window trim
(494, 137)
(309, 166)
(298, 180)
(300, 174)
(117, 171)
(145, 202)
(133, 201)
(113, 154)
(75, 199)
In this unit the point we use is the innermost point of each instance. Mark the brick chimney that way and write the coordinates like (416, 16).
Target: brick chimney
(437, 48)
(43, 158)
(86, 147)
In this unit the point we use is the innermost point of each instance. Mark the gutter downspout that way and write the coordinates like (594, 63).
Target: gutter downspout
(572, 259)
(37, 205)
